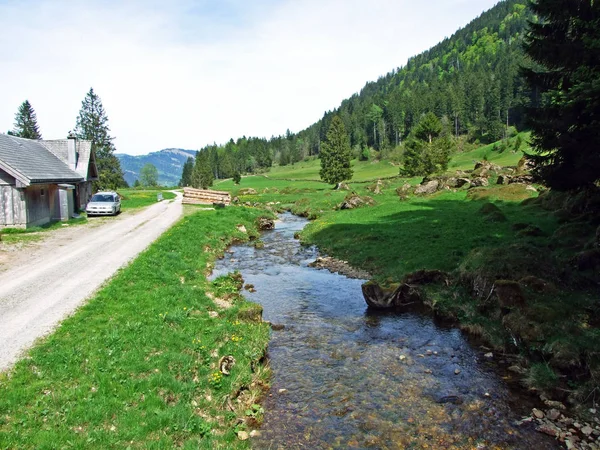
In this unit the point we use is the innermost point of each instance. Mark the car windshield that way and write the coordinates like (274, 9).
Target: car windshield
(103, 198)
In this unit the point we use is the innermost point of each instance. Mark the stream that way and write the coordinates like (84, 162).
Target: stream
(348, 377)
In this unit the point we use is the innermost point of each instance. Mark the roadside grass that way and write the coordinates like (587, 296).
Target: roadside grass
(136, 367)
(139, 198)
(24, 235)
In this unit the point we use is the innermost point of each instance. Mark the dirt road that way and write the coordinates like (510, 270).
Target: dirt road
(45, 284)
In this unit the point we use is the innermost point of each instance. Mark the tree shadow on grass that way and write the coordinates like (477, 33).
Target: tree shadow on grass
(434, 234)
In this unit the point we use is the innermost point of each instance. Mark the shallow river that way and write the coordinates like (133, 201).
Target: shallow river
(346, 377)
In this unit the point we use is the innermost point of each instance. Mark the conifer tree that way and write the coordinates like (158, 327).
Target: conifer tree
(428, 149)
(565, 47)
(186, 174)
(92, 125)
(26, 122)
(336, 154)
(202, 176)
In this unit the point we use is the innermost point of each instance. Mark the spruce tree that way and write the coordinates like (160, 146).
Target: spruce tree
(428, 148)
(336, 154)
(186, 174)
(202, 175)
(565, 48)
(26, 122)
(92, 125)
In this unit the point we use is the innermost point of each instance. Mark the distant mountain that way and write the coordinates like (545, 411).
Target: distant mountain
(169, 163)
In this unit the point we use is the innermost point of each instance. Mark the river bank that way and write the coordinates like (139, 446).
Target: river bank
(538, 251)
(345, 376)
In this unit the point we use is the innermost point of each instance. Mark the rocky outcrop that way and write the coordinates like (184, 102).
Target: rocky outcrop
(247, 191)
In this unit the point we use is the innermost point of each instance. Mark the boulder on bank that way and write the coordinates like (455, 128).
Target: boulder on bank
(427, 187)
(355, 201)
(376, 188)
(479, 181)
(454, 182)
(265, 223)
(486, 165)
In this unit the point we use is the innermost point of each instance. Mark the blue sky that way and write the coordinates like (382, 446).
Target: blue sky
(188, 73)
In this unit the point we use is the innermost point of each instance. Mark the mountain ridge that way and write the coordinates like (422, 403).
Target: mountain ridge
(168, 161)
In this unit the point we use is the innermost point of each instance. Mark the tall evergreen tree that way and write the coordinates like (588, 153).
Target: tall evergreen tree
(202, 175)
(26, 125)
(336, 154)
(186, 174)
(428, 148)
(92, 125)
(565, 47)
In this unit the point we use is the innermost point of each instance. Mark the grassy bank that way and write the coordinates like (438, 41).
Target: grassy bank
(137, 366)
(520, 269)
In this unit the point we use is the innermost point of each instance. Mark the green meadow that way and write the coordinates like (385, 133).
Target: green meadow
(137, 366)
(478, 237)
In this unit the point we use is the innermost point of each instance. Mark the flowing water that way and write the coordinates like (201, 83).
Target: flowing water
(347, 377)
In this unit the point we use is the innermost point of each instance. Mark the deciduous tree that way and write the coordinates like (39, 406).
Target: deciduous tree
(149, 175)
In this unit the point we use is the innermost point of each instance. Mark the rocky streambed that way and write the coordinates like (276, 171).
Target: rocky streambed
(346, 376)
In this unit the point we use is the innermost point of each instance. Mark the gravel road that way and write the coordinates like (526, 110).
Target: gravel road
(44, 285)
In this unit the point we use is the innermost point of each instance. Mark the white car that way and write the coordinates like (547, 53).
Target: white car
(104, 203)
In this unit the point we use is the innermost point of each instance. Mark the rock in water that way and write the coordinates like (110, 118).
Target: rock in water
(395, 296)
(265, 223)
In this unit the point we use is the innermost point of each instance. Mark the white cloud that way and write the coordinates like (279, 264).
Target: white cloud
(187, 73)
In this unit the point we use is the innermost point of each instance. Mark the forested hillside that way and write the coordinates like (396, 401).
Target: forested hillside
(470, 81)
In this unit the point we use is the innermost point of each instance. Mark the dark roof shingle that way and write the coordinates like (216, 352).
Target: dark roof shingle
(31, 162)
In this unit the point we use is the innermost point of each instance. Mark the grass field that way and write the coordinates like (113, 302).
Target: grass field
(309, 170)
(477, 237)
(136, 367)
(372, 170)
(139, 198)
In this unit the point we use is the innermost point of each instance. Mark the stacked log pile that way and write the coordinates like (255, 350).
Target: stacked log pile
(193, 196)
